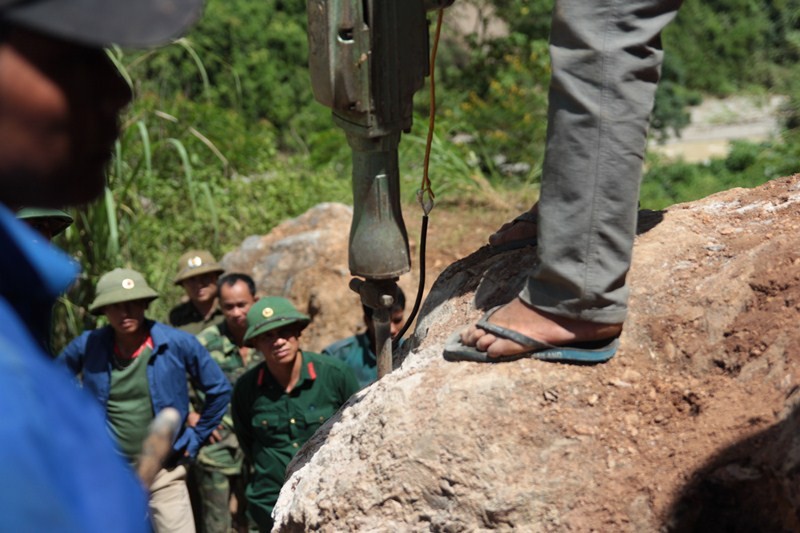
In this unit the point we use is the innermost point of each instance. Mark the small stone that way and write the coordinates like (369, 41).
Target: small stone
(619, 383)
(551, 395)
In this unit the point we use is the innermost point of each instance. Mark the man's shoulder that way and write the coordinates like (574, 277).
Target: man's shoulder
(211, 335)
(181, 314)
(94, 337)
(162, 333)
(248, 381)
(326, 363)
(343, 347)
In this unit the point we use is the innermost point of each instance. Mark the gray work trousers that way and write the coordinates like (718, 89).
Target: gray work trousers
(606, 62)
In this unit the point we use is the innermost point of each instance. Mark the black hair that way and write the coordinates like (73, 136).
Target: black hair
(398, 305)
(231, 279)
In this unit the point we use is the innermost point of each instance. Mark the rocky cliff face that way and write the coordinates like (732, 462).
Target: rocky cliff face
(694, 425)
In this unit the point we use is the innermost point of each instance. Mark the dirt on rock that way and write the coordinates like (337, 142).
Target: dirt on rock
(693, 426)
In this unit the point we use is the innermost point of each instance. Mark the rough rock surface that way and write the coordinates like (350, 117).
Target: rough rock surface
(694, 425)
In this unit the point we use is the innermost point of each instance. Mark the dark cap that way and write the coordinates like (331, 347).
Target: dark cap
(128, 23)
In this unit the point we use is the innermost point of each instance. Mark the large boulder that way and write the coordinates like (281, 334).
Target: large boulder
(693, 425)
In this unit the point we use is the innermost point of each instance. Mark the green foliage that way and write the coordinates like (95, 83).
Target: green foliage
(725, 45)
(670, 113)
(747, 165)
(498, 96)
(254, 57)
(526, 18)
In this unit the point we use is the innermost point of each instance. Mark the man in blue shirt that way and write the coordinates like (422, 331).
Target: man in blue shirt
(60, 97)
(358, 351)
(136, 368)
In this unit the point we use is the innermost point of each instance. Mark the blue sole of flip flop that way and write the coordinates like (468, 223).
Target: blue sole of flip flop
(594, 352)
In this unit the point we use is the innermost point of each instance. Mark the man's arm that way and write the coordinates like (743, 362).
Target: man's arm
(211, 381)
(241, 411)
(72, 356)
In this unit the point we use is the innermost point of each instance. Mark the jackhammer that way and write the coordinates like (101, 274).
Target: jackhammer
(367, 58)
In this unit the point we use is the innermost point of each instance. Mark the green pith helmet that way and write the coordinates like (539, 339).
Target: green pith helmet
(120, 285)
(271, 313)
(56, 218)
(196, 262)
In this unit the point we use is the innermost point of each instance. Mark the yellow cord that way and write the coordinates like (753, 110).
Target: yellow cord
(425, 186)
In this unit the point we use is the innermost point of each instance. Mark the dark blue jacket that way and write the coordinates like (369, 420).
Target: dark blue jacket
(175, 354)
(58, 465)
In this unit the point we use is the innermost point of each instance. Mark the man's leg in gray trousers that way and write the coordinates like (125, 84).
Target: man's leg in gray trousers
(606, 62)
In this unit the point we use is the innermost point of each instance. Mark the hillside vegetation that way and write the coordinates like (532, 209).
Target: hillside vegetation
(225, 139)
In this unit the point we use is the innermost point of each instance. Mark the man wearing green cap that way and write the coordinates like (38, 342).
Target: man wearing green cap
(47, 221)
(135, 368)
(198, 272)
(60, 98)
(278, 405)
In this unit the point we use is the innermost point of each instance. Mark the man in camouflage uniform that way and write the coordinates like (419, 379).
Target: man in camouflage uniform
(197, 274)
(218, 475)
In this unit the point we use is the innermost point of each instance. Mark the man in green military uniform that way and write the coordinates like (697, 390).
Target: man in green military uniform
(217, 475)
(48, 222)
(358, 351)
(278, 405)
(198, 272)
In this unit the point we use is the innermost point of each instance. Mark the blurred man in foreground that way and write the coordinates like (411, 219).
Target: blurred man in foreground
(60, 96)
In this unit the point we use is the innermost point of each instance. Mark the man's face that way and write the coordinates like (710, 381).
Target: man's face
(396, 322)
(59, 107)
(44, 226)
(235, 301)
(201, 289)
(126, 317)
(280, 345)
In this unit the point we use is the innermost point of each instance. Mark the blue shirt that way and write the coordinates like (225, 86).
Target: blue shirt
(175, 354)
(355, 352)
(58, 466)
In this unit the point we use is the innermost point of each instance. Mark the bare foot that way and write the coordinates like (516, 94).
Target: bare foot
(519, 317)
(524, 227)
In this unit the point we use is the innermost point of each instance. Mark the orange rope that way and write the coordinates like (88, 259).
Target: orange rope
(425, 186)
